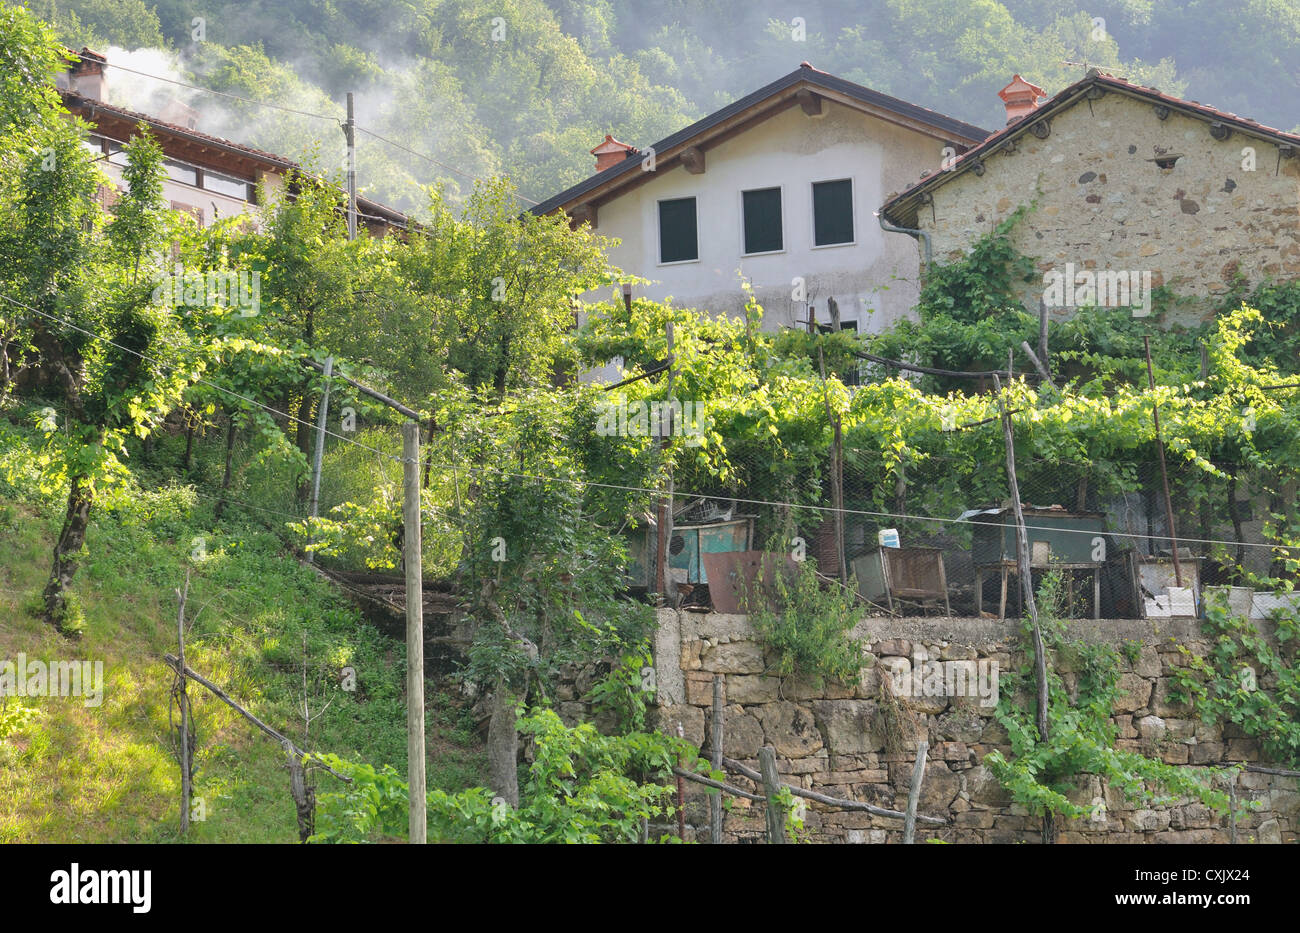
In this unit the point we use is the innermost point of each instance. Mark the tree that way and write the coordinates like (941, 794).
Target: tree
(117, 361)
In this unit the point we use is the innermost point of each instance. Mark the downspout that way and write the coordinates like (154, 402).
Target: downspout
(916, 234)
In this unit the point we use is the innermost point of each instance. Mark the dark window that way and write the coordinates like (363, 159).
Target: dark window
(762, 220)
(832, 212)
(678, 240)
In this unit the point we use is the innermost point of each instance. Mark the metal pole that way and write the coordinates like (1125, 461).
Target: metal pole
(1164, 473)
(417, 828)
(322, 418)
(349, 131)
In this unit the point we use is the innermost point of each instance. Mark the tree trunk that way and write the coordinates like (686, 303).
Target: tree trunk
(225, 479)
(1236, 528)
(503, 745)
(303, 436)
(189, 446)
(71, 539)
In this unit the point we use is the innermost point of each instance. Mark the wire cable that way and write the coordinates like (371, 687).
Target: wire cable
(862, 512)
(208, 90)
(200, 380)
(421, 155)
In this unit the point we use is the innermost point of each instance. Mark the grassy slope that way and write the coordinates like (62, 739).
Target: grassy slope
(107, 774)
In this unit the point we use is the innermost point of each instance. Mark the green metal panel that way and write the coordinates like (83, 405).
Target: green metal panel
(687, 545)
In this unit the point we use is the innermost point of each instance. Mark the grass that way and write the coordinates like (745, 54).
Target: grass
(77, 773)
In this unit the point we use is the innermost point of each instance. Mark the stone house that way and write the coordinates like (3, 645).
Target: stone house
(780, 187)
(1129, 188)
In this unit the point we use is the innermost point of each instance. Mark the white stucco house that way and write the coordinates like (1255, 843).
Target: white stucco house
(780, 187)
(205, 176)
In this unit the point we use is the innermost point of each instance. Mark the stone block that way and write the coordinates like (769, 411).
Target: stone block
(790, 729)
(749, 689)
(1133, 694)
(849, 726)
(737, 657)
(894, 647)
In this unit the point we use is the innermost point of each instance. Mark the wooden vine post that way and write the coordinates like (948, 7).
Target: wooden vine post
(183, 700)
(771, 790)
(1027, 588)
(837, 474)
(914, 793)
(715, 800)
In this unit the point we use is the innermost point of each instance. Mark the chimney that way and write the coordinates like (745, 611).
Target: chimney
(1021, 98)
(179, 114)
(86, 76)
(610, 152)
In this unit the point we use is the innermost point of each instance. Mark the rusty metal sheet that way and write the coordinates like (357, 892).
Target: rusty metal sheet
(729, 572)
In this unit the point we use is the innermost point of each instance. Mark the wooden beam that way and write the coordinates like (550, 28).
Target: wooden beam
(581, 214)
(693, 160)
(775, 813)
(914, 793)
(174, 663)
(810, 102)
(843, 804)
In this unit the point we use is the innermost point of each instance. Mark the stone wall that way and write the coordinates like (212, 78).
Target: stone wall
(1104, 204)
(833, 739)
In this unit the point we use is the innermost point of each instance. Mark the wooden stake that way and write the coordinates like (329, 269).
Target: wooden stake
(914, 793)
(840, 802)
(1164, 473)
(665, 517)
(186, 770)
(1027, 587)
(1042, 338)
(1038, 364)
(771, 788)
(1232, 809)
(715, 800)
(417, 828)
(837, 477)
(174, 663)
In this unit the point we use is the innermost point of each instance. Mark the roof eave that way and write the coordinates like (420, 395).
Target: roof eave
(766, 101)
(901, 210)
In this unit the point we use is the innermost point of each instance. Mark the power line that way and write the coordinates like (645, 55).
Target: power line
(318, 116)
(862, 512)
(244, 100)
(421, 155)
(201, 380)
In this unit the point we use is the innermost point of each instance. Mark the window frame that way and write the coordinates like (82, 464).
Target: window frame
(659, 233)
(812, 211)
(780, 189)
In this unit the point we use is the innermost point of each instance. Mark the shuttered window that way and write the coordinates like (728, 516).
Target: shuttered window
(762, 209)
(832, 212)
(678, 237)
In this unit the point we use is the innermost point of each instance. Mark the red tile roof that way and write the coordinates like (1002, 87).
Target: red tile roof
(90, 106)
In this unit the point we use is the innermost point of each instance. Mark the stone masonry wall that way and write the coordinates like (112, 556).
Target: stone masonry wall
(832, 740)
(1103, 204)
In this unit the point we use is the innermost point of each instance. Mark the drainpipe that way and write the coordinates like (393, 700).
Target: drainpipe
(915, 234)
